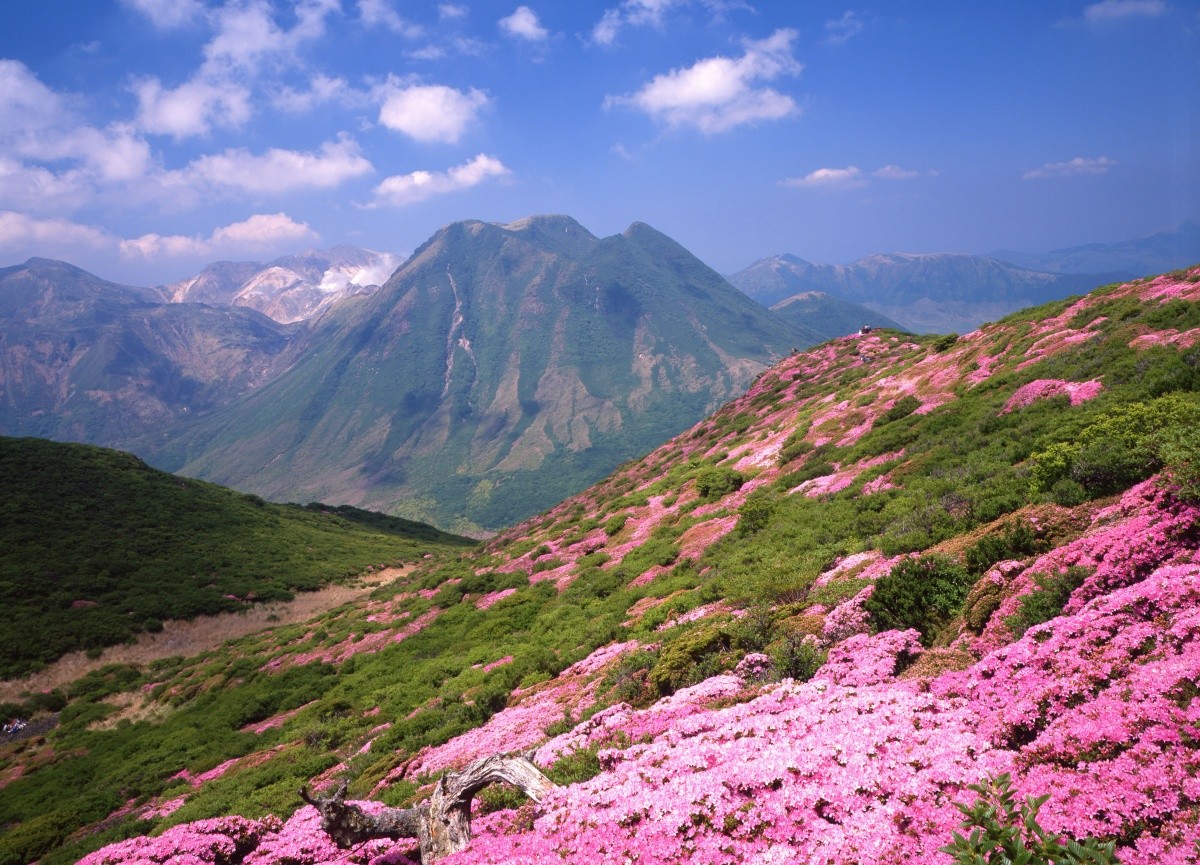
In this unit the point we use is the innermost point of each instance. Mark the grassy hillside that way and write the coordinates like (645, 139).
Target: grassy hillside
(96, 546)
(801, 631)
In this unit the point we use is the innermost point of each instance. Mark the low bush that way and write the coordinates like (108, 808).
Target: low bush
(717, 481)
(922, 593)
(1047, 600)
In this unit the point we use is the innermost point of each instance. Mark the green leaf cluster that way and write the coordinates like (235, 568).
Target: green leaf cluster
(1005, 832)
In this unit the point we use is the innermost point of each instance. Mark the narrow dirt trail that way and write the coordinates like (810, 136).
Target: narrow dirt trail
(192, 637)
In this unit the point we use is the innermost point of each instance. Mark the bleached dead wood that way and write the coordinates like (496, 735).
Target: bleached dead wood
(442, 825)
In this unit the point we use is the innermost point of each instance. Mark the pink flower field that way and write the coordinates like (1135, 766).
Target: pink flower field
(1097, 708)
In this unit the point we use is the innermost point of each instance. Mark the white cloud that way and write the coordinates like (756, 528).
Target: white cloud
(259, 232)
(280, 170)
(19, 229)
(379, 13)
(429, 112)
(168, 14)
(25, 102)
(719, 93)
(894, 172)
(452, 11)
(850, 177)
(524, 24)
(192, 108)
(1108, 11)
(35, 188)
(606, 30)
(463, 45)
(247, 34)
(1076, 166)
(632, 13)
(322, 90)
(402, 189)
(652, 13)
(839, 31)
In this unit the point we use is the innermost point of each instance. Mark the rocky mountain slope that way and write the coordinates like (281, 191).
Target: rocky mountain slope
(289, 289)
(897, 569)
(87, 360)
(500, 369)
(929, 293)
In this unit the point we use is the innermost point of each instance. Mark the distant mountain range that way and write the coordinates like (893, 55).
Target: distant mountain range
(293, 288)
(500, 369)
(938, 292)
(944, 292)
(1154, 253)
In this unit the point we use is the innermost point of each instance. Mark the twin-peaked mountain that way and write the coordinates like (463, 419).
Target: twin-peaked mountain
(500, 369)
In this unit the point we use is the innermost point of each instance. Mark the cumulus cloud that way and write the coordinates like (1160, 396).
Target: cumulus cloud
(49, 159)
(246, 34)
(402, 189)
(839, 31)
(280, 170)
(430, 112)
(524, 24)
(452, 11)
(379, 13)
(259, 232)
(19, 229)
(168, 14)
(192, 108)
(850, 177)
(719, 93)
(1076, 166)
(1108, 11)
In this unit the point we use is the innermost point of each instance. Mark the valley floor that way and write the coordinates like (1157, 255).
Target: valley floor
(203, 634)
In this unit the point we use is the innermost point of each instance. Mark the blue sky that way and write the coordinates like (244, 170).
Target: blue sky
(141, 139)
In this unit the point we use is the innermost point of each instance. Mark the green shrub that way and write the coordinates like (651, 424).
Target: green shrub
(923, 593)
(1047, 600)
(691, 657)
(902, 408)
(716, 482)
(797, 657)
(942, 343)
(615, 524)
(1122, 447)
(1068, 493)
(1001, 831)
(755, 512)
(816, 468)
(1180, 451)
(1016, 542)
(795, 445)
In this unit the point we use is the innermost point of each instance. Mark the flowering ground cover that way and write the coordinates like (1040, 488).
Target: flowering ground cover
(690, 645)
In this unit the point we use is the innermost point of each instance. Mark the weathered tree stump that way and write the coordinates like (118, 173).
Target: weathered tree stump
(443, 824)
